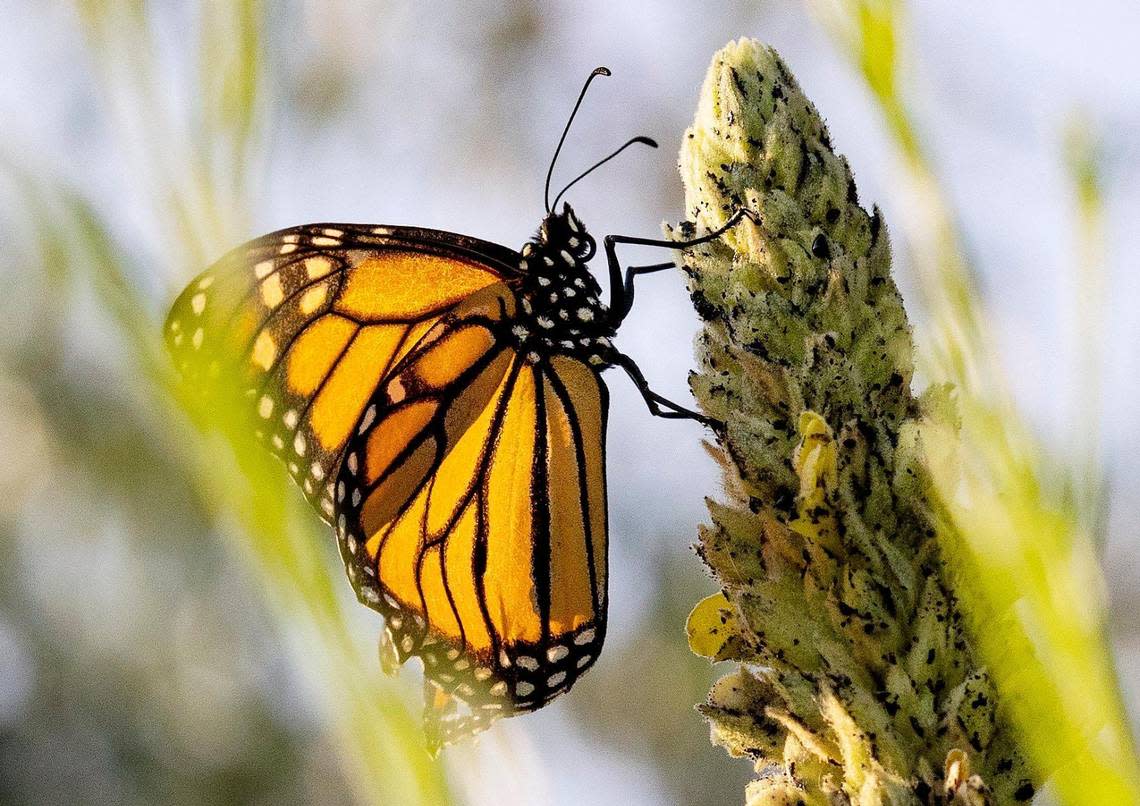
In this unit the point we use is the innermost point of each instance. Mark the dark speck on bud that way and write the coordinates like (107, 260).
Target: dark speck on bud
(820, 248)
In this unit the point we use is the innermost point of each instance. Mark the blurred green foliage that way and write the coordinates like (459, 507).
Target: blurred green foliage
(191, 476)
(1015, 517)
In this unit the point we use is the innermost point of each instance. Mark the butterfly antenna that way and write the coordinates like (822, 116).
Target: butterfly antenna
(598, 71)
(643, 140)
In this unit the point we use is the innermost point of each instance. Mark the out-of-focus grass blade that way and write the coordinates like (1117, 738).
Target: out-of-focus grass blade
(289, 551)
(1025, 563)
(1083, 156)
(195, 182)
(233, 39)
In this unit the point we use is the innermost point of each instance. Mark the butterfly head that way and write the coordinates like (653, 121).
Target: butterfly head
(565, 232)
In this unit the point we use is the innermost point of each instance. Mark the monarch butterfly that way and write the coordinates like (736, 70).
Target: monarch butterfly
(439, 400)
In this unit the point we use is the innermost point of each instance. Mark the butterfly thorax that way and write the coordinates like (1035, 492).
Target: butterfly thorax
(560, 309)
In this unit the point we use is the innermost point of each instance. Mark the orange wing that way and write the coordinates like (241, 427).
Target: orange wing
(471, 511)
(467, 482)
(309, 320)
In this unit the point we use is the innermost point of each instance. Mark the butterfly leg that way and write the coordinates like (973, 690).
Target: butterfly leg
(621, 283)
(625, 299)
(659, 406)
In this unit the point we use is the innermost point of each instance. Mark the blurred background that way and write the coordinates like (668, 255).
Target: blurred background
(165, 638)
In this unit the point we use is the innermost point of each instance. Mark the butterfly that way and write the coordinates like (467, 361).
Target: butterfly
(439, 401)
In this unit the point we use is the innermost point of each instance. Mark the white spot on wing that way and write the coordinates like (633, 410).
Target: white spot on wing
(313, 298)
(369, 417)
(271, 291)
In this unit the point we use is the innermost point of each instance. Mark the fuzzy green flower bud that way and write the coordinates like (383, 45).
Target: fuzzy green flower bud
(858, 679)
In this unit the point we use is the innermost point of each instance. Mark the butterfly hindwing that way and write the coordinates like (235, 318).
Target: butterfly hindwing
(308, 320)
(473, 517)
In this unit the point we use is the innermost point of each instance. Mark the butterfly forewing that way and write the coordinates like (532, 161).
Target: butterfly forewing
(306, 322)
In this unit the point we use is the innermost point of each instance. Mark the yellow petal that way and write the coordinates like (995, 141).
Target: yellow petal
(710, 626)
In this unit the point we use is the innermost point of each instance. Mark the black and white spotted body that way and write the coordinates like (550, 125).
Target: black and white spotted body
(561, 309)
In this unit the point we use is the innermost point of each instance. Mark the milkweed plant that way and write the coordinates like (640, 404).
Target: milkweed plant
(859, 675)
